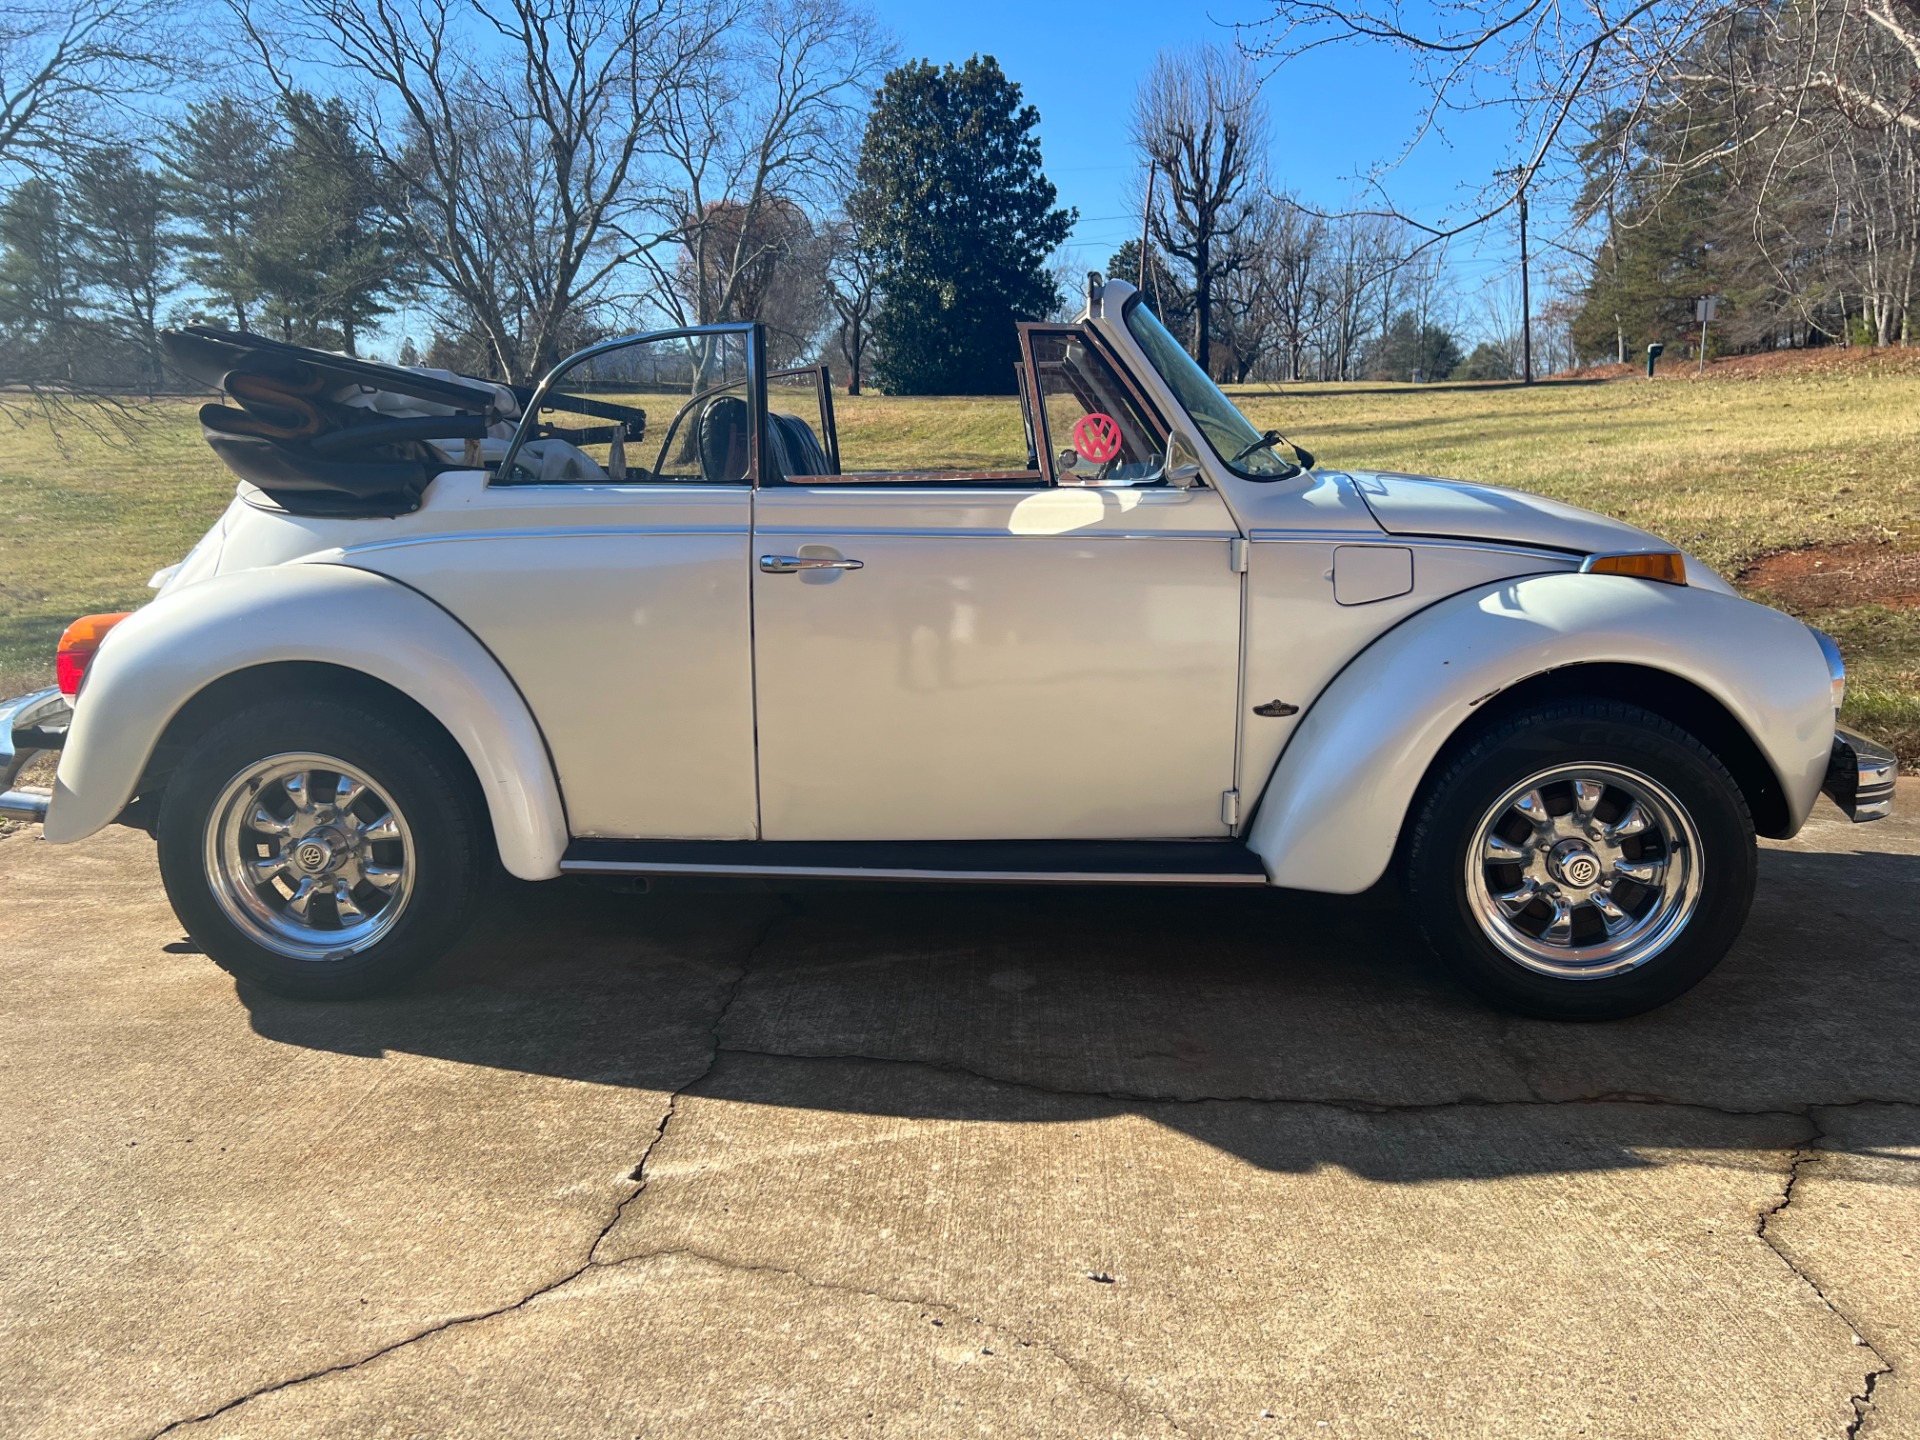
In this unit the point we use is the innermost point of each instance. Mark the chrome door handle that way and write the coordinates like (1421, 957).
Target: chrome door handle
(792, 564)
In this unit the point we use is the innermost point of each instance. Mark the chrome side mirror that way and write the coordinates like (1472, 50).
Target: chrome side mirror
(1183, 461)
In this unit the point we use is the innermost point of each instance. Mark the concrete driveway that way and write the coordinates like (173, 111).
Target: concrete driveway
(954, 1162)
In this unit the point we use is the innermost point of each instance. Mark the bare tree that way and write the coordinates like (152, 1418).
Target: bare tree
(1298, 236)
(760, 134)
(1199, 119)
(70, 71)
(1425, 288)
(1360, 258)
(853, 294)
(65, 68)
(1268, 303)
(1553, 63)
(513, 133)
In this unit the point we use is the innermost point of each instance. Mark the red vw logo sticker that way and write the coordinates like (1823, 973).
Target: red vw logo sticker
(1097, 437)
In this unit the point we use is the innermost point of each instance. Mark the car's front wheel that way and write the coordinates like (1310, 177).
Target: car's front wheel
(319, 849)
(1582, 861)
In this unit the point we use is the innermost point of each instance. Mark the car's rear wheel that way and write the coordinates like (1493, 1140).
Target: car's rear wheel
(1582, 861)
(320, 849)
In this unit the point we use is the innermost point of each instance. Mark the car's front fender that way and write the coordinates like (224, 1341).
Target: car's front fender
(1331, 813)
(159, 658)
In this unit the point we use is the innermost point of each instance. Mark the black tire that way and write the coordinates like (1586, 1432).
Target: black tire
(1618, 739)
(420, 775)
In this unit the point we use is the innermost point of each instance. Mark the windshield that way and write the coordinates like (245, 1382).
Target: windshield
(1226, 429)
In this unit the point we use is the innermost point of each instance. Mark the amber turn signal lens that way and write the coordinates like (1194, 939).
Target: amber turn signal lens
(77, 647)
(1665, 565)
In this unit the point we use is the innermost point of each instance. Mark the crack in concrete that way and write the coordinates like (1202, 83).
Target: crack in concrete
(1353, 1104)
(1863, 1402)
(1862, 1399)
(1078, 1369)
(639, 1172)
(1508, 1044)
(639, 1182)
(347, 1365)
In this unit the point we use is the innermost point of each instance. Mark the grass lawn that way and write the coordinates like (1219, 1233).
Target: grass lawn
(1732, 468)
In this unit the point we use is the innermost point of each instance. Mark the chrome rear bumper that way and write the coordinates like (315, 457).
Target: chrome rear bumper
(1860, 777)
(30, 725)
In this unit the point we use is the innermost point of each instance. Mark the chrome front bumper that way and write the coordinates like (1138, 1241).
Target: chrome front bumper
(1860, 777)
(30, 726)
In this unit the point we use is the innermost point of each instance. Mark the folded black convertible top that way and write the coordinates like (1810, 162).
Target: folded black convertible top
(210, 355)
(290, 425)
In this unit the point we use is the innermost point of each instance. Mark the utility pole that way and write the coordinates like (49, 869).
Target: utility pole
(1146, 213)
(1526, 293)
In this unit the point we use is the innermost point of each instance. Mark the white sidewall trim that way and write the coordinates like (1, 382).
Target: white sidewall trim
(157, 660)
(1332, 812)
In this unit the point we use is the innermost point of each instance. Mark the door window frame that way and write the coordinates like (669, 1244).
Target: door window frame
(1037, 477)
(755, 333)
(830, 429)
(1091, 338)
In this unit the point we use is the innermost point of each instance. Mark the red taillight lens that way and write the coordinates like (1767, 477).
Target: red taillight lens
(78, 646)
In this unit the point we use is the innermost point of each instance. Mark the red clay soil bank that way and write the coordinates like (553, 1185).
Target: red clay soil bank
(1825, 577)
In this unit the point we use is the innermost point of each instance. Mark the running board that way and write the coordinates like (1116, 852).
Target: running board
(999, 862)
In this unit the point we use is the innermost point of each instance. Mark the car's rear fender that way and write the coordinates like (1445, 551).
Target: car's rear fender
(156, 661)
(1332, 811)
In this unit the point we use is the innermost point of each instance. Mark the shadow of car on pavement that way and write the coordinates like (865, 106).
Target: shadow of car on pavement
(1243, 1019)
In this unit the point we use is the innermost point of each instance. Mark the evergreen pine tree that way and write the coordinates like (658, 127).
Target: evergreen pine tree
(1407, 350)
(1165, 293)
(125, 250)
(40, 285)
(327, 259)
(1659, 255)
(220, 163)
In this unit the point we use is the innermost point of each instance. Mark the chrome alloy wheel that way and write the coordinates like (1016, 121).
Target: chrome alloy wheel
(307, 858)
(1584, 871)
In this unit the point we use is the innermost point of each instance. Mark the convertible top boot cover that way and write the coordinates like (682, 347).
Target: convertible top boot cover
(326, 434)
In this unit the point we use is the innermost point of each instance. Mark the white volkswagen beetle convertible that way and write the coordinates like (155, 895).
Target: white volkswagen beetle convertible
(642, 621)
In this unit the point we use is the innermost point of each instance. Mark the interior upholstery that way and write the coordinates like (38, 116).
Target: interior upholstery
(800, 449)
(725, 429)
(565, 464)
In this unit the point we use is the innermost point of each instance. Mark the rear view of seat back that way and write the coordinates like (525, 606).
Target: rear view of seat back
(799, 449)
(724, 433)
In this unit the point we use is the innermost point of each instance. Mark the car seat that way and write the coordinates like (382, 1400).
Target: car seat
(725, 429)
(799, 448)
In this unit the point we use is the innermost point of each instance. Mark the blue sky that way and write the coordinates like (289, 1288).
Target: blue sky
(1335, 114)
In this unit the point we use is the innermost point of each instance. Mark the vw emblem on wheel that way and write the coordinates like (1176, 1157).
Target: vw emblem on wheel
(1582, 870)
(312, 855)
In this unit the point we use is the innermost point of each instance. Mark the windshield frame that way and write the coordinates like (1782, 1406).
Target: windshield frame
(1272, 466)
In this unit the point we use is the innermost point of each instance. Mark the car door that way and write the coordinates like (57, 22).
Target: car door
(606, 568)
(1049, 653)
